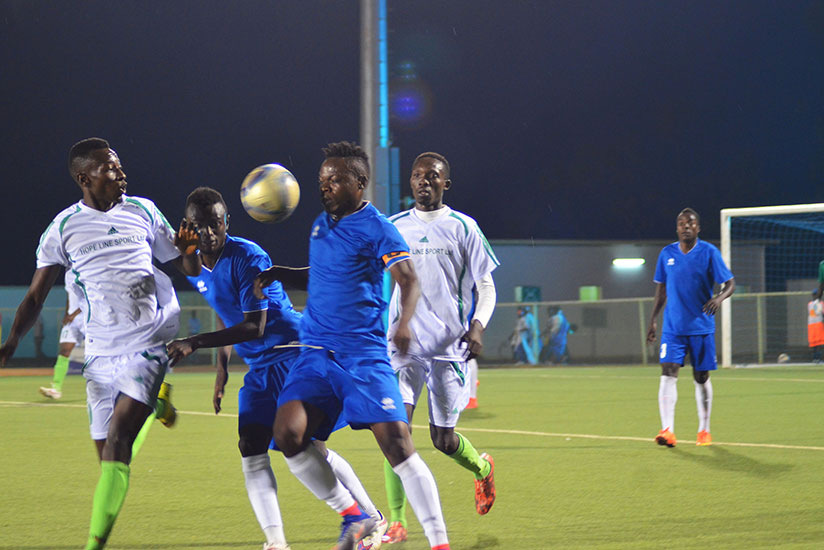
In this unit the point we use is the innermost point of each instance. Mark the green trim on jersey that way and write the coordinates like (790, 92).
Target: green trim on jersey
(488, 248)
(396, 217)
(821, 272)
(163, 218)
(63, 222)
(43, 236)
(146, 210)
(457, 217)
(85, 295)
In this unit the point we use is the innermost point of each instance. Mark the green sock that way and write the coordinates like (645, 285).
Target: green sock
(160, 408)
(141, 435)
(395, 495)
(468, 457)
(108, 499)
(61, 367)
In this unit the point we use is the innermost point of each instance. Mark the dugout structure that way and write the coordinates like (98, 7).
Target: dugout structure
(774, 253)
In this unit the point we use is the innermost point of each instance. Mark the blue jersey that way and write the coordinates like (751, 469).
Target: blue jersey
(228, 288)
(689, 280)
(347, 258)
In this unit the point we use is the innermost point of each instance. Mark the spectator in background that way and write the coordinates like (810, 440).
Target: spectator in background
(526, 340)
(815, 326)
(555, 349)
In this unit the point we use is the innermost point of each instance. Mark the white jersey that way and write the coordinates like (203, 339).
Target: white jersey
(130, 305)
(450, 253)
(75, 295)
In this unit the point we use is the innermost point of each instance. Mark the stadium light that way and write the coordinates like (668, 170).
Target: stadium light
(628, 263)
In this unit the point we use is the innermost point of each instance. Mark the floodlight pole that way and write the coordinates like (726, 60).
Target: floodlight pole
(374, 107)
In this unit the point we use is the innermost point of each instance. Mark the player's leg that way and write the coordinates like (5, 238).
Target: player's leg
(61, 365)
(257, 403)
(702, 352)
(411, 373)
(131, 382)
(672, 353)
(395, 441)
(129, 416)
(448, 392)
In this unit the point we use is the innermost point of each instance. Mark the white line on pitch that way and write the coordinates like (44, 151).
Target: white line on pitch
(468, 429)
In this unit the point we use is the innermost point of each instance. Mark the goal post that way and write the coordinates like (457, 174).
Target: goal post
(773, 251)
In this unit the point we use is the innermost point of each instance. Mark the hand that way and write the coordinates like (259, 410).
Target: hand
(263, 279)
(178, 349)
(402, 338)
(653, 328)
(220, 386)
(474, 340)
(186, 238)
(711, 307)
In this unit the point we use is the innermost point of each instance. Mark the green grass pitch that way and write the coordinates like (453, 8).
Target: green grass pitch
(576, 467)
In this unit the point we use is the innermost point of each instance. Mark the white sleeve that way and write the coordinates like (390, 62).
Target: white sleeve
(163, 243)
(50, 251)
(486, 299)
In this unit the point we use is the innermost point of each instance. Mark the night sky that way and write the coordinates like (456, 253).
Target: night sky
(561, 120)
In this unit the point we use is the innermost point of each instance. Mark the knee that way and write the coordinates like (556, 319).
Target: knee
(669, 369)
(444, 440)
(251, 447)
(288, 439)
(701, 376)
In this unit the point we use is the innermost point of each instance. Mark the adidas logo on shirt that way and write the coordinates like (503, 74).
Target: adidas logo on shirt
(424, 240)
(112, 231)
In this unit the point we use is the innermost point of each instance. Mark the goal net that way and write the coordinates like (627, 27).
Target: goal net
(774, 252)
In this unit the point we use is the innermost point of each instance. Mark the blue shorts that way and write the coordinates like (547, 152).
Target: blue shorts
(355, 389)
(257, 399)
(701, 348)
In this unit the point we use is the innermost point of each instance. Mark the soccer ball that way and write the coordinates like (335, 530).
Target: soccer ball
(270, 193)
(783, 358)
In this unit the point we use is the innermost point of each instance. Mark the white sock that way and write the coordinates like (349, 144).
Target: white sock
(422, 493)
(311, 468)
(346, 475)
(262, 487)
(667, 397)
(703, 398)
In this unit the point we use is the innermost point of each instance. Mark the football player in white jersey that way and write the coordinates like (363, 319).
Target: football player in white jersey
(108, 240)
(451, 256)
(72, 334)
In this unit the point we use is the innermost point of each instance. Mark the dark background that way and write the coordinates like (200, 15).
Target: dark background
(562, 120)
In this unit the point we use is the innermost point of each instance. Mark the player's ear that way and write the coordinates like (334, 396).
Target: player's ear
(362, 182)
(447, 184)
(226, 218)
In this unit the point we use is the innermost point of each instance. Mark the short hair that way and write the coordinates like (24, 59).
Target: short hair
(353, 154)
(204, 197)
(436, 156)
(689, 211)
(81, 151)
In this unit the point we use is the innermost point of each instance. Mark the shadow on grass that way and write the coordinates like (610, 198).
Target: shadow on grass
(484, 542)
(724, 459)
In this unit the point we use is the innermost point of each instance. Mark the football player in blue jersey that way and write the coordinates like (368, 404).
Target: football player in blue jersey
(346, 371)
(685, 275)
(264, 332)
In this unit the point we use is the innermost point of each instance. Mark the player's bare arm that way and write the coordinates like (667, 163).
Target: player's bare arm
(474, 339)
(657, 306)
(290, 277)
(186, 240)
(712, 306)
(252, 326)
(403, 273)
(29, 308)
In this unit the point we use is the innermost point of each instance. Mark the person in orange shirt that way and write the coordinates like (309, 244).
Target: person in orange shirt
(815, 326)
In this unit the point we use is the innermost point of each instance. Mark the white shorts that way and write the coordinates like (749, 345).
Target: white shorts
(74, 332)
(446, 384)
(137, 375)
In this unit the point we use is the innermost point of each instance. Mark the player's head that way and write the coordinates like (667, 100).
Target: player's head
(95, 167)
(429, 179)
(343, 177)
(687, 225)
(206, 211)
